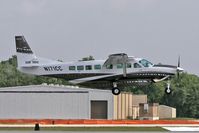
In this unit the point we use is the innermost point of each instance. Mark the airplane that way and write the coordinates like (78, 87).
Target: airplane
(114, 73)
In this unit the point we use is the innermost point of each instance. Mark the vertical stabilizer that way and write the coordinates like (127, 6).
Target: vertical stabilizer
(22, 45)
(25, 56)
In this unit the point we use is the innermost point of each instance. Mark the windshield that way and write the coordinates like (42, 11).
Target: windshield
(145, 63)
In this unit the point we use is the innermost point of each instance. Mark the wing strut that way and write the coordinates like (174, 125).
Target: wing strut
(124, 65)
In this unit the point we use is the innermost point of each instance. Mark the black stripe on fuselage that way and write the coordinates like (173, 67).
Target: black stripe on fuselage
(148, 75)
(169, 66)
(137, 75)
(73, 76)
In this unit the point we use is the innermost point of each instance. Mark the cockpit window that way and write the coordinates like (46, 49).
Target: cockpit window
(145, 63)
(136, 65)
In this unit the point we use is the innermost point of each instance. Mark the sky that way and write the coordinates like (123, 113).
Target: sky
(158, 30)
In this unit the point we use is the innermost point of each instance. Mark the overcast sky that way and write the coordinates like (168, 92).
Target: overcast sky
(158, 30)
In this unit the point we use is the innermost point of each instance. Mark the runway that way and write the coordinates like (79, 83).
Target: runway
(169, 127)
(73, 132)
(64, 132)
(173, 129)
(182, 128)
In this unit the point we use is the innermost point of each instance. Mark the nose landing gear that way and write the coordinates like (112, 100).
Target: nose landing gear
(168, 89)
(116, 91)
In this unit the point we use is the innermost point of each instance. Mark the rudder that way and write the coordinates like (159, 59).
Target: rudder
(25, 56)
(22, 45)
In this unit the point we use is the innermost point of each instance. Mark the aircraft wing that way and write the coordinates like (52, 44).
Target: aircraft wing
(116, 59)
(119, 76)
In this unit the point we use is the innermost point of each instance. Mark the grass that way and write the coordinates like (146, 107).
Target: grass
(86, 129)
(16, 129)
(180, 118)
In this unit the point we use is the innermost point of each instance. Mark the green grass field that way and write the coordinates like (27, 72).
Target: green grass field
(181, 118)
(87, 129)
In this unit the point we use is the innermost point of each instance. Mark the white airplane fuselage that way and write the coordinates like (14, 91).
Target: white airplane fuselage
(117, 70)
(62, 70)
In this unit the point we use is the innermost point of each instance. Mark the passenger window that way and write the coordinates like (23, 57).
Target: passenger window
(97, 67)
(80, 67)
(72, 68)
(128, 65)
(119, 65)
(88, 67)
(136, 65)
(109, 66)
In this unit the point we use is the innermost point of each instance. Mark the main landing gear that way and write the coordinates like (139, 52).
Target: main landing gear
(168, 89)
(115, 89)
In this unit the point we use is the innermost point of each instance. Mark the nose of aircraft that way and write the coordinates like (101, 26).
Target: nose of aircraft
(179, 69)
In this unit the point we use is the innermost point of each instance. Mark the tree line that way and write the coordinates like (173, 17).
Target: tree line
(185, 95)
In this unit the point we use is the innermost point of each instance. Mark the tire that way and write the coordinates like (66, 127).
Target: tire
(116, 91)
(168, 90)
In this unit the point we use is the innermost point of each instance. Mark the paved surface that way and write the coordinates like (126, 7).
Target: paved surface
(75, 132)
(182, 128)
(174, 128)
(104, 125)
(97, 122)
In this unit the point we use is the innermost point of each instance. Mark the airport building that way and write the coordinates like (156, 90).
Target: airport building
(68, 102)
(55, 102)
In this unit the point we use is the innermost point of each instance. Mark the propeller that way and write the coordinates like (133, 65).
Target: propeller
(179, 69)
(178, 73)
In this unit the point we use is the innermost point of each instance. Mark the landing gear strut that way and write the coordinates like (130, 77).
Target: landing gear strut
(115, 90)
(168, 89)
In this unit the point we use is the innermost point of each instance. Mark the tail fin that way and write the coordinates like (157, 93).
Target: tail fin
(22, 45)
(25, 56)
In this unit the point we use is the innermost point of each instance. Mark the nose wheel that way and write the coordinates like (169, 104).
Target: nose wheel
(115, 89)
(168, 89)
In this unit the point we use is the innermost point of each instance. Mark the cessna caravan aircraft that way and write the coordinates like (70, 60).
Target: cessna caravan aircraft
(116, 72)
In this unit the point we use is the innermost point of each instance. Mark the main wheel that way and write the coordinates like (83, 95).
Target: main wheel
(168, 90)
(116, 91)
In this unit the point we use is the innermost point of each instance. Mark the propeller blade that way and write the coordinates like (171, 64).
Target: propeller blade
(179, 61)
(178, 68)
(178, 75)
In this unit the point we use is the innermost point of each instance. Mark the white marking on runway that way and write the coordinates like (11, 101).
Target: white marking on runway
(182, 128)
